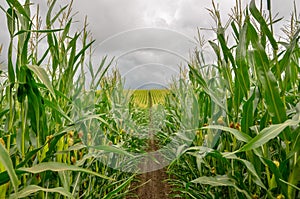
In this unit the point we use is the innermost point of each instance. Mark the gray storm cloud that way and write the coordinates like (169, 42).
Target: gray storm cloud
(149, 39)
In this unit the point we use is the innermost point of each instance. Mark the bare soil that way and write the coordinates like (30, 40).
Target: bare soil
(153, 183)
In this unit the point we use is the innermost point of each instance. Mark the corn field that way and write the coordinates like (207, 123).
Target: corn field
(141, 97)
(62, 136)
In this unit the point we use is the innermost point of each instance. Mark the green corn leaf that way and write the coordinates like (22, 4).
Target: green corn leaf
(42, 75)
(267, 79)
(29, 156)
(31, 189)
(270, 89)
(111, 149)
(235, 30)
(44, 56)
(72, 47)
(11, 21)
(292, 185)
(290, 49)
(57, 108)
(49, 13)
(81, 52)
(242, 72)
(97, 117)
(247, 115)
(66, 31)
(257, 15)
(219, 181)
(23, 46)
(11, 72)
(277, 175)
(114, 193)
(76, 147)
(103, 72)
(205, 87)
(250, 168)
(64, 177)
(8, 165)
(226, 51)
(267, 134)
(238, 95)
(37, 31)
(215, 181)
(296, 141)
(285, 62)
(57, 166)
(239, 135)
(216, 50)
(294, 178)
(4, 176)
(18, 7)
(3, 112)
(58, 14)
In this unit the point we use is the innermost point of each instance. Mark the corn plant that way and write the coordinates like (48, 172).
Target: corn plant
(249, 148)
(47, 110)
(231, 128)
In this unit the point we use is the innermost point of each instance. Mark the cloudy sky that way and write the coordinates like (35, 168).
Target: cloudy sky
(148, 38)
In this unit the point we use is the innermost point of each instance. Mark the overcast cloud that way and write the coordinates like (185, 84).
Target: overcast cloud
(148, 38)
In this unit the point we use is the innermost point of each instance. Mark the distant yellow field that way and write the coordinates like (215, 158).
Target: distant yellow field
(143, 98)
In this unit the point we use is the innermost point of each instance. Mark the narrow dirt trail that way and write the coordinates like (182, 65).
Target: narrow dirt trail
(151, 185)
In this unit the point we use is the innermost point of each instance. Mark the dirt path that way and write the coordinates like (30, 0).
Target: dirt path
(153, 183)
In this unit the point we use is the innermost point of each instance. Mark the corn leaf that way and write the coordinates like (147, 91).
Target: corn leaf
(57, 166)
(205, 87)
(239, 135)
(37, 31)
(30, 189)
(112, 149)
(250, 167)
(247, 115)
(113, 193)
(267, 134)
(18, 7)
(219, 181)
(8, 165)
(257, 15)
(267, 79)
(242, 72)
(42, 75)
